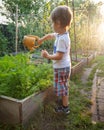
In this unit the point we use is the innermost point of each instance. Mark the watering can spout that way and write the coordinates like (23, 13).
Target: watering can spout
(30, 41)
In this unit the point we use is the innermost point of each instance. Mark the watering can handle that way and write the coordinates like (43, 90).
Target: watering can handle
(32, 36)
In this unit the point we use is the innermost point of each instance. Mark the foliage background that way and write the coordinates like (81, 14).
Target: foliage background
(33, 18)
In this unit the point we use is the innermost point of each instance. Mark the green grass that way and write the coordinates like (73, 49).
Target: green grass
(74, 63)
(99, 60)
(100, 64)
(78, 119)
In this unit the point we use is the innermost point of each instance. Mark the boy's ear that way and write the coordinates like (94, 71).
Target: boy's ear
(58, 22)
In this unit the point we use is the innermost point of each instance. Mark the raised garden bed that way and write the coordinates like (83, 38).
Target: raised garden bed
(20, 86)
(23, 82)
(14, 111)
(78, 67)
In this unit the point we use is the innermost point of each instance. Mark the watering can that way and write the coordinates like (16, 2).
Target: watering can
(30, 41)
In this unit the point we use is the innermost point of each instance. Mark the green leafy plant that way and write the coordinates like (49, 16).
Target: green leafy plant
(19, 79)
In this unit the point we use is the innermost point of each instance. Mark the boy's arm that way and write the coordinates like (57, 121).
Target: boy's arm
(57, 56)
(46, 37)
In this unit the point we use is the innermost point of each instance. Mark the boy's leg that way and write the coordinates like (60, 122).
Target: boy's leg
(64, 107)
(65, 101)
(61, 87)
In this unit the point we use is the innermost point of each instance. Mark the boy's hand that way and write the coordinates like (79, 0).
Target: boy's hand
(44, 54)
(40, 41)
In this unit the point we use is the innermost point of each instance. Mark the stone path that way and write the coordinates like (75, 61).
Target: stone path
(98, 99)
(86, 74)
(97, 108)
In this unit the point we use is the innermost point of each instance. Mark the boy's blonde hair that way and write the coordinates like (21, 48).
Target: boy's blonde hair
(63, 14)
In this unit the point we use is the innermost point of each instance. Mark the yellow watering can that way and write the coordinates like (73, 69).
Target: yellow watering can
(30, 41)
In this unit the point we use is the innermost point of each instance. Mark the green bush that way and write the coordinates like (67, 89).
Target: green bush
(3, 44)
(19, 79)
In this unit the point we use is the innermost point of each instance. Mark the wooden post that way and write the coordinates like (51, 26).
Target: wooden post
(74, 29)
(16, 40)
(66, 2)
